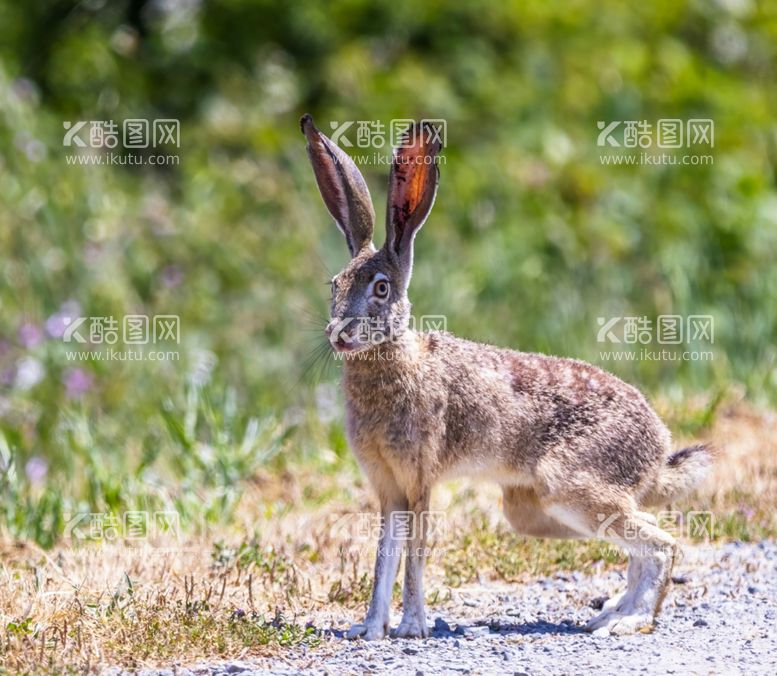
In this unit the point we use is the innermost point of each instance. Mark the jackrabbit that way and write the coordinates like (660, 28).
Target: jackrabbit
(578, 452)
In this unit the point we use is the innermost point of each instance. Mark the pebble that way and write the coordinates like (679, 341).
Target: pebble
(474, 632)
(441, 625)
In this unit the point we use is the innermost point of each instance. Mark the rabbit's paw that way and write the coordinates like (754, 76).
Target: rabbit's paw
(412, 627)
(619, 622)
(369, 630)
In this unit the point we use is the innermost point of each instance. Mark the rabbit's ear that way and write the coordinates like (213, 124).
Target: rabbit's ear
(342, 186)
(412, 188)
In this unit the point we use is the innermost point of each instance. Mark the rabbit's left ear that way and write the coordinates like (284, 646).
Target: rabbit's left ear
(412, 188)
(342, 186)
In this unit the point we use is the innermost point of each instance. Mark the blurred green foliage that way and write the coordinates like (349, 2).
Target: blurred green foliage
(531, 240)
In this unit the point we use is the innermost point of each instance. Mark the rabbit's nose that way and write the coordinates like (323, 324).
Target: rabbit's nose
(337, 334)
(337, 325)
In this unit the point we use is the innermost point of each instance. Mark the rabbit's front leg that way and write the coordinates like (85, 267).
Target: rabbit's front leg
(376, 624)
(413, 624)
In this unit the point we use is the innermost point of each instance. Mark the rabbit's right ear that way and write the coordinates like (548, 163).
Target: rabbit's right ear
(412, 189)
(342, 186)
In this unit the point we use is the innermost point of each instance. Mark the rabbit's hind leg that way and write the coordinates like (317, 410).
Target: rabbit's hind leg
(651, 556)
(525, 513)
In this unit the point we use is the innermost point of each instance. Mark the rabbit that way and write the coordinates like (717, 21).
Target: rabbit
(577, 452)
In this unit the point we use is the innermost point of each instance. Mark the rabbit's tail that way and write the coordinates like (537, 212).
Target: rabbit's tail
(683, 471)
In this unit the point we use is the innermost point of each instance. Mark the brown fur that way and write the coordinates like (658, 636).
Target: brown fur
(577, 451)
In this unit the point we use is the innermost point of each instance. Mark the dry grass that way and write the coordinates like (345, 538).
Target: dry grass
(225, 596)
(741, 491)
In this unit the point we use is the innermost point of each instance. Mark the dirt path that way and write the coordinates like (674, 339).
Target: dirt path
(720, 617)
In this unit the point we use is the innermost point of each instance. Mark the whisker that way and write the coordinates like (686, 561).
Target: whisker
(315, 366)
(323, 264)
(314, 316)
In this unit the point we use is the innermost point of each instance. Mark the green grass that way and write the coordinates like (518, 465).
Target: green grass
(193, 461)
(222, 634)
(531, 240)
(498, 552)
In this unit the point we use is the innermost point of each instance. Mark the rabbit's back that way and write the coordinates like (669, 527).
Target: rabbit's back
(443, 406)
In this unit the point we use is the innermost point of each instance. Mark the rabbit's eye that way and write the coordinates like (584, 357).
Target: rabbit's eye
(381, 289)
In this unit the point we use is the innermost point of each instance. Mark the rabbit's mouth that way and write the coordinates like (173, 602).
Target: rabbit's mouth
(344, 343)
(340, 339)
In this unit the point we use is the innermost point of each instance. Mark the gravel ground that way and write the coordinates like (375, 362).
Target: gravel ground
(720, 617)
